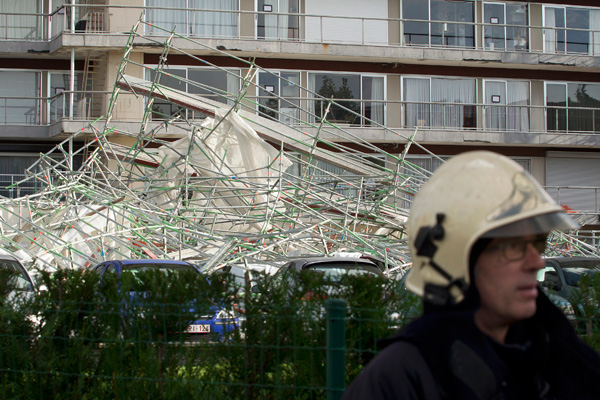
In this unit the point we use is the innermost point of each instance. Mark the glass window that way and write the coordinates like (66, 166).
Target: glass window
(273, 26)
(22, 24)
(584, 107)
(456, 28)
(573, 107)
(60, 84)
(193, 17)
(445, 23)
(415, 31)
(217, 23)
(218, 85)
(171, 78)
(279, 96)
(439, 102)
(572, 30)
(556, 107)
(507, 105)
(415, 171)
(358, 99)
(12, 170)
(505, 26)
(19, 97)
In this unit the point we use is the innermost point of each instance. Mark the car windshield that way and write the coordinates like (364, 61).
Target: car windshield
(573, 275)
(19, 277)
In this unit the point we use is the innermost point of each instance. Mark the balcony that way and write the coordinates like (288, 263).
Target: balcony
(345, 119)
(290, 35)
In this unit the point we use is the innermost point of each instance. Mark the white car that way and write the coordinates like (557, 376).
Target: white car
(20, 279)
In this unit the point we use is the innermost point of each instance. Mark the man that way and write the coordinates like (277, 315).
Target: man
(477, 230)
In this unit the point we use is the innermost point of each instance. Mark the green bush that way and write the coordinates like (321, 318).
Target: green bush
(86, 338)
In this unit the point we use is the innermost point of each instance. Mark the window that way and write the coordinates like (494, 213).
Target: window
(12, 170)
(572, 30)
(445, 23)
(505, 26)
(343, 21)
(215, 84)
(359, 99)
(507, 105)
(59, 103)
(190, 17)
(273, 26)
(573, 107)
(22, 24)
(439, 102)
(332, 177)
(19, 98)
(415, 171)
(279, 96)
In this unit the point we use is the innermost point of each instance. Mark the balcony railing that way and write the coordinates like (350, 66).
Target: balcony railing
(584, 199)
(9, 186)
(310, 28)
(89, 105)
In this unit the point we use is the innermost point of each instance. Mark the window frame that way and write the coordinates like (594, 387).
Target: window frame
(314, 97)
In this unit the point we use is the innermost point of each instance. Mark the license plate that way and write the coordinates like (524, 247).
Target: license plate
(198, 329)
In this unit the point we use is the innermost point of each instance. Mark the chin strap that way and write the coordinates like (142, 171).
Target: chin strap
(425, 246)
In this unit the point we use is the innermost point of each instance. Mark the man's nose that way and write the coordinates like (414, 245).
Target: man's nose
(534, 257)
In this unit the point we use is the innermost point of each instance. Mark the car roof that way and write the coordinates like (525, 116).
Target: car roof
(577, 262)
(151, 261)
(8, 257)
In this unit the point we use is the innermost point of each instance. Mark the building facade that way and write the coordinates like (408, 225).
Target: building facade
(517, 78)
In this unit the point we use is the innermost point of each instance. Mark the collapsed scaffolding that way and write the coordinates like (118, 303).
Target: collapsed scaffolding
(236, 186)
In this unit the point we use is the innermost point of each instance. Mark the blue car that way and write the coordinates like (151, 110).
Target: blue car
(217, 321)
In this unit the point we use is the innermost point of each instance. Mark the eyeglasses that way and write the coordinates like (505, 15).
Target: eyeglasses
(515, 249)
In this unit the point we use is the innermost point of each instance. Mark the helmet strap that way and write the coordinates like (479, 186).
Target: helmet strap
(441, 295)
(425, 246)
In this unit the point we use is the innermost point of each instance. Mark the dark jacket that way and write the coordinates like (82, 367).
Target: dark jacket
(443, 355)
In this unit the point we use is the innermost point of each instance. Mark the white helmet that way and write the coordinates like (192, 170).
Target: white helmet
(474, 195)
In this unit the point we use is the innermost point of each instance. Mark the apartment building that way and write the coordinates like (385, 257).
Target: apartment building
(518, 78)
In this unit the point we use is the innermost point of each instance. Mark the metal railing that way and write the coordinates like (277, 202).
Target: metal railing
(10, 188)
(310, 28)
(87, 105)
(576, 199)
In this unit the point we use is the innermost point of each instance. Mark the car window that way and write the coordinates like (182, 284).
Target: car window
(100, 268)
(19, 277)
(335, 272)
(573, 275)
(163, 267)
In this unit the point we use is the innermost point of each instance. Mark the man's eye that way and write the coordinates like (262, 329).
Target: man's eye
(512, 245)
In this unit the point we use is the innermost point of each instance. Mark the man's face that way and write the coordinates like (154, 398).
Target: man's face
(507, 284)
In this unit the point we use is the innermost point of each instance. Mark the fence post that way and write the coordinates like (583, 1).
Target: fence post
(336, 348)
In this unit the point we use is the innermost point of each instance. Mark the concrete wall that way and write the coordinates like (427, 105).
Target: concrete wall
(247, 22)
(394, 119)
(127, 107)
(394, 31)
(536, 39)
(122, 19)
(538, 118)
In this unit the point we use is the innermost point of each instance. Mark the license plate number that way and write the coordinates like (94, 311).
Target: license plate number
(198, 329)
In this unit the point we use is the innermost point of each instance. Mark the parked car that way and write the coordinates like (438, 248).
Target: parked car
(562, 274)
(19, 278)
(217, 321)
(560, 277)
(334, 266)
